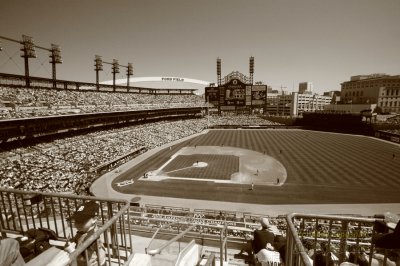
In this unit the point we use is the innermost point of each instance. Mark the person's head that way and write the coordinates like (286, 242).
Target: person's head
(324, 246)
(85, 216)
(264, 223)
(308, 244)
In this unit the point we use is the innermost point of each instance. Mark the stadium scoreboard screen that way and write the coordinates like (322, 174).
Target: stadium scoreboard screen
(236, 95)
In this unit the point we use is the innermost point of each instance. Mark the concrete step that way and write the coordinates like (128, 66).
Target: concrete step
(163, 260)
(233, 257)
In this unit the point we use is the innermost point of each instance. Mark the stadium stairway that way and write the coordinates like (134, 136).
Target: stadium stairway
(186, 254)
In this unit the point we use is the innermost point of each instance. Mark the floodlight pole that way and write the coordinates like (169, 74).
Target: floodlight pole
(251, 69)
(219, 80)
(98, 66)
(55, 59)
(25, 54)
(129, 72)
(28, 51)
(115, 70)
(26, 61)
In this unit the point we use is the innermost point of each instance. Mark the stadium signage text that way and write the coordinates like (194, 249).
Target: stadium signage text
(190, 220)
(234, 86)
(125, 183)
(173, 79)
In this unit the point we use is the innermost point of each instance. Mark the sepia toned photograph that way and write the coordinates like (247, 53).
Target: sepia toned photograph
(200, 132)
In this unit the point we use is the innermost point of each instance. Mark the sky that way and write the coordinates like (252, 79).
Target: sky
(320, 41)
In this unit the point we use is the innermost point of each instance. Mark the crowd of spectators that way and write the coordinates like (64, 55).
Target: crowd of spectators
(239, 120)
(208, 222)
(393, 131)
(323, 242)
(66, 165)
(28, 102)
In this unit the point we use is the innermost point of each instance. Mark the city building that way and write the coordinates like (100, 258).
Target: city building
(295, 103)
(278, 102)
(335, 95)
(305, 87)
(380, 89)
(308, 103)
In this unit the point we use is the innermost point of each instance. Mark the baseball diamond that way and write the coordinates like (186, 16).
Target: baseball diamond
(317, 168)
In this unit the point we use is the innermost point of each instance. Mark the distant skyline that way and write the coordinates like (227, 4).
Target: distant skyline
(320, 41)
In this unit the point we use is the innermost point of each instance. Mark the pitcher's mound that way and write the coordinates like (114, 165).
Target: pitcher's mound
(200, 164)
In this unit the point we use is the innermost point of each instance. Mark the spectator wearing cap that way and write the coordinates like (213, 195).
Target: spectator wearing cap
(85, 222)
(263, 236)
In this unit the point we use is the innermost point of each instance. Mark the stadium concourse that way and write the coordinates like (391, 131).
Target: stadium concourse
(268, 196)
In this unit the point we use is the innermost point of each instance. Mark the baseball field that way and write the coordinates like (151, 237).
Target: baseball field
(270, 167)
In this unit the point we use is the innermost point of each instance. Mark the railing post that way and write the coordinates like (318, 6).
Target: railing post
(343, 242)
(223, 247)
(113, 229)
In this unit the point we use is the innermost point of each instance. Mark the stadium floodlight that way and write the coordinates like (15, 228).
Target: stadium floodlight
(55, 58)
(55, 54)
(98, 66)
(115, 66)
(251, 69)
(28, 48)
(218, 66)
(252, 65)
(28, 51)
(115, 70)
(129, 72)
(219, 71)
(98, 63)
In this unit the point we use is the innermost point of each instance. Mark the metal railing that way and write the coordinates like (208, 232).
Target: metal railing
(336, 236)
(211, 260)
(169, 242)
(223, 238)
(25, 210)
(184, 252)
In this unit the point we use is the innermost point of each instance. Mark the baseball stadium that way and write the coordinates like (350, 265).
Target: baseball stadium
(183, 175)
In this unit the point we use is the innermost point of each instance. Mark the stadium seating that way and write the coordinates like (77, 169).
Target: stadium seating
(69, 165)
(239, 120)
(25, 102)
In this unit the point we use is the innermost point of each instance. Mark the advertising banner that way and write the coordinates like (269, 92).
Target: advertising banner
(258, 95)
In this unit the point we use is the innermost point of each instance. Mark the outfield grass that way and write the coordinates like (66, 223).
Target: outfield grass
(321, 168)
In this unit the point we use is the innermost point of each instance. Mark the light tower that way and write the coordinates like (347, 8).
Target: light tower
(115, 70)
(98, 66)
(219, 71)
(251, 69)
(129, 72)
(28, 49)
(55, 58)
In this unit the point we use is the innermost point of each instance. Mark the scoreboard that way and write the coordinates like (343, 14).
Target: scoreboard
(236, 95)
